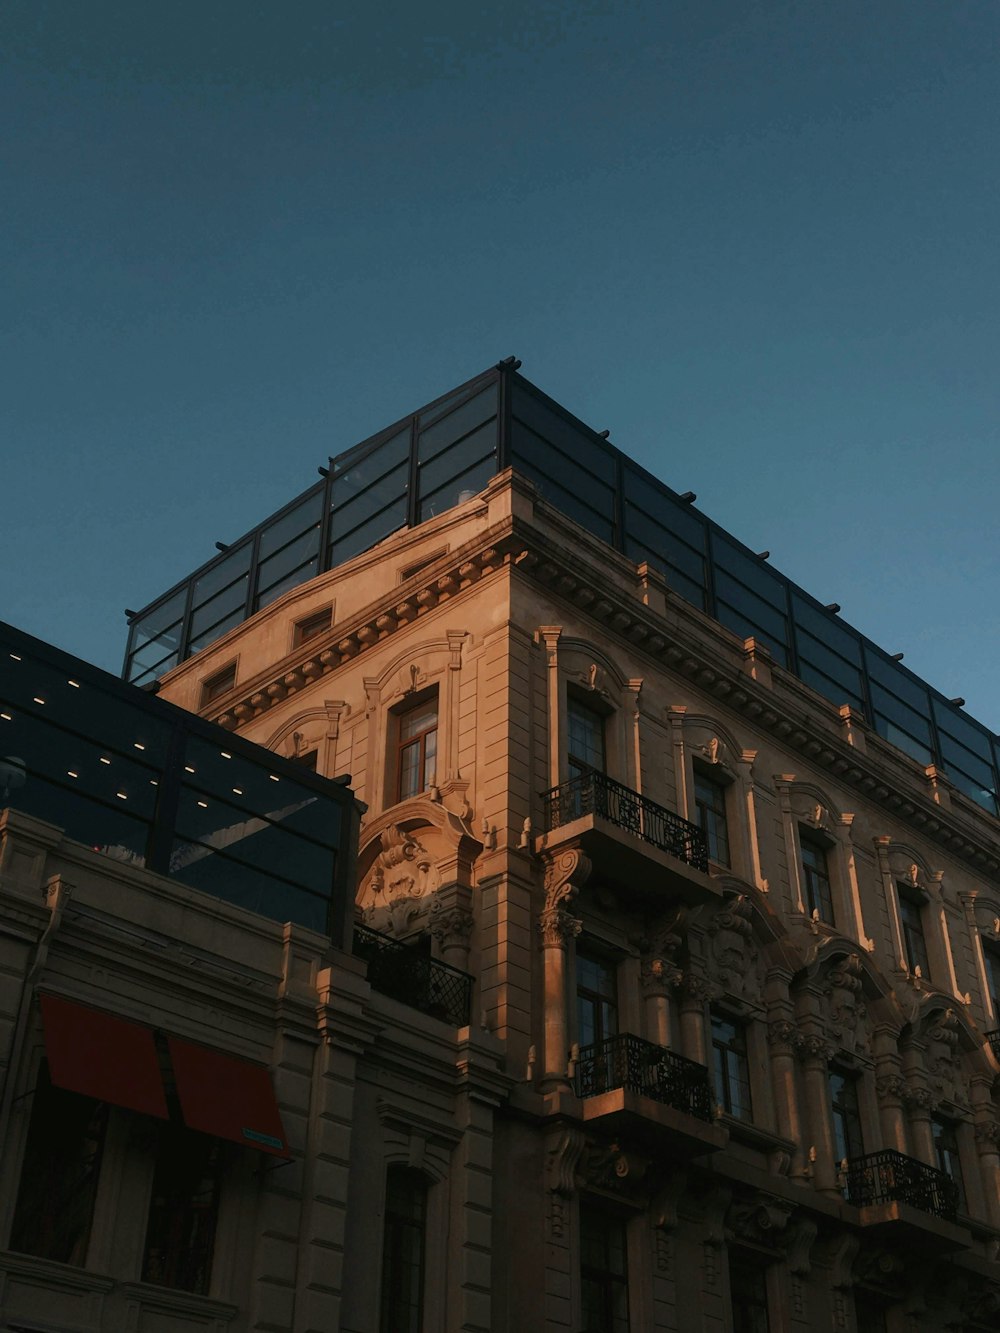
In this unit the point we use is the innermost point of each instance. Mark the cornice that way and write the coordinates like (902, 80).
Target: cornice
(572, 566)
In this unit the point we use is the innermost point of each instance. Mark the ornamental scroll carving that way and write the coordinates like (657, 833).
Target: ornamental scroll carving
(734, 963)
(847, 1014)
(943, 1058)
(564, 874)
(400, 883)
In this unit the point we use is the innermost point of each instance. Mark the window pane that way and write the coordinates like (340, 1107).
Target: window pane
(574, 444)
(586, 736)
(895, 679)
(235, 567)
(221, 608)
(370, 533)
(353, 474)
(461, 423)
(753, 574)
(746, 628)
(180, 1236)
(674, 516)
(403, 1251)
(457, 489)
(710, 813)
(303, 517)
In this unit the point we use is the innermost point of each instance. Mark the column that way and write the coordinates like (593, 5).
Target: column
(564, 874)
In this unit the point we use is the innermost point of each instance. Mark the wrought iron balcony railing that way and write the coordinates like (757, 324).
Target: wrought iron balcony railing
(631, 1062)
(595, 793)
(994, 1040)
(889, 1176)
(414, 978)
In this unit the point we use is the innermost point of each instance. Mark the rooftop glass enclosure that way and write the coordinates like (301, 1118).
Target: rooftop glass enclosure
(446, 452)
(150, 785)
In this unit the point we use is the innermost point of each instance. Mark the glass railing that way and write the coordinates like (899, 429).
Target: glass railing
(595, 793)
(404, 973)
(625, 1061)
(149, 785)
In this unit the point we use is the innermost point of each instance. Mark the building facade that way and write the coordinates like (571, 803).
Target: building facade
(671, 994)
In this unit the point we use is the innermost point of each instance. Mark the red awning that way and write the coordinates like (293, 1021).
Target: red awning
(228, 1097)
(102, 1056)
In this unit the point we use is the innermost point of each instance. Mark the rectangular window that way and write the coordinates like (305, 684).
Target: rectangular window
(748, 1292)
(911, 919)
(403, 1251)
(710, 815)
(180, 1235)
(313, 625)
(816, 878)
(846, 1114)
(869, 1312)
(603, 1271)
(596, 999)
(586, 738)
(416, 757)
(62, 1160)
(991, 957)
(731, 1066)
(948, 1159)
(219, 684)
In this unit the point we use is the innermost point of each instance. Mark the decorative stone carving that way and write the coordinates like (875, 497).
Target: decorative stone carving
(557, 927)
(987, 1135)
(564, 874)
(891, 1088)
(450, 926)
(403, 877)
(847, 1015)
(782, 1032)
(734, 964)
(943, 1061)
(561, 1162)
(759, 1220)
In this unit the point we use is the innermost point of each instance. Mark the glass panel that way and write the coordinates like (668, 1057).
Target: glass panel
(736, 596)
(903, 740)
(369, 533)
(180, 1237)
(220, 607)
(403, 1251)
(282, 530)
(752, 573)
(292, 556)
(830, 663)
(158, 633)
(956, 756)
(830, 689)
(216, 631)
(658, 539)
(906, 719)
(458, 458)
(983, 795)
(458, 424)
(235, 566)
(574, 443)
(358, 508)
(458, 489)
(895, 679)
(950, 720)
(746, 629)
(240, 884)
(292, 580)
(148, 662)
(352, 475)
(671, 514)
(823, 626)
(567, 503)
(534, 453)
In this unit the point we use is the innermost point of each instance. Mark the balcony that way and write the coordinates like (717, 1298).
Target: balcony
(628, 838)
(628, 1083)
(899, 1195)
(413, 978)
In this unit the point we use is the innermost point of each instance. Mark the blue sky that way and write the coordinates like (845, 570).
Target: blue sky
(756, 240)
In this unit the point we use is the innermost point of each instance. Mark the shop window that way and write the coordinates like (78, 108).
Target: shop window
(180, 1234)
(731, 1066)
(596, 999)
(403, 1251)
(748, 1293)
(603, 1270)
(816, 878)
(62, 1160)
(948, 1159)
(416, 748)
(911, 920)
(710, 814)
(846, 1115)
(585, 749)
(216, 686)
(313, 625)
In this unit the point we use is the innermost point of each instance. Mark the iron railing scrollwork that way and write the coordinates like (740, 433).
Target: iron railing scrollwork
(594, 793)
(889, 1176)
(404, 973)
(625, 1061)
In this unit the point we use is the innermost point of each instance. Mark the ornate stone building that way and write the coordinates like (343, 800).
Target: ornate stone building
(672, 992)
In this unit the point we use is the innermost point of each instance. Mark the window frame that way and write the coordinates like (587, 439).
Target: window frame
(719, 786)
(312, 626)
(605, 1005)
(747, 1263)
(176, 1141)
(603, 1278)
(845, 1107)
(219, 683)
(948, 1152)
(814, 844)
(401, 744)
(394, 1227)
(578, 766)
(910, 898)
(721, 1071)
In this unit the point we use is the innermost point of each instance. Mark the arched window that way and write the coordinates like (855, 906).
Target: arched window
(403, 1251)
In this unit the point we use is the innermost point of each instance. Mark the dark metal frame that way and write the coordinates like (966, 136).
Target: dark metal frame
(508, 381)
(630, 1062)
(414, 978)
(890, 1176)
(594, 793)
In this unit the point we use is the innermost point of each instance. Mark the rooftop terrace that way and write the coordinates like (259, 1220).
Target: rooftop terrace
(444, 453)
